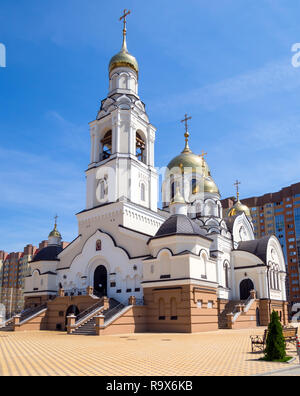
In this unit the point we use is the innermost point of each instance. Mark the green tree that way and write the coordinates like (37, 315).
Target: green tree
(275, 344)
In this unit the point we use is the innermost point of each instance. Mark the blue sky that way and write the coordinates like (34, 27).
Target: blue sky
(225, 62)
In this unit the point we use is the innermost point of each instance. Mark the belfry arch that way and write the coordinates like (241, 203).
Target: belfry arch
(106, 145)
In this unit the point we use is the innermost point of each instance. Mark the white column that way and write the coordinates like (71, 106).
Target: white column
(96, 146)
(150, 147)
(92, 147)
(283, 286)
(116, 132)
(260, 283)
(132, 138)
(266, 286)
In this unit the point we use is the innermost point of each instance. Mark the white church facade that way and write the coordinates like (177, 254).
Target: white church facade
(134, 267)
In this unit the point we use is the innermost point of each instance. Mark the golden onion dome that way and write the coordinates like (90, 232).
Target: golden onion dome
(190, 162)
(55, 233)
(210, 186)
(123, 58)
(239, 208)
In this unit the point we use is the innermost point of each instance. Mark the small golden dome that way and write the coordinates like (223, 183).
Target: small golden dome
(210, 186)
(55, 233)
(123, 58)
(239, 208)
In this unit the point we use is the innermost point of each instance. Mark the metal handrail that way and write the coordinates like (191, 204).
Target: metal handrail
(248, 300)
(235, 309)
(112, 312)
(139, 301)
(89, 310)
(30, 312)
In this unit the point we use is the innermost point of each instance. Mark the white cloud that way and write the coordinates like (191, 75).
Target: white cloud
(271, 78)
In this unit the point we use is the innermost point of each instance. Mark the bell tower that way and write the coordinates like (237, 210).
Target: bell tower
(122, 140)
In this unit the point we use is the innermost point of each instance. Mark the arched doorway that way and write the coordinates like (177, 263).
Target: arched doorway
(100, 281)
(245, 287)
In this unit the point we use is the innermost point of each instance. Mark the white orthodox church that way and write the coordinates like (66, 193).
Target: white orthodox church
(134, 267)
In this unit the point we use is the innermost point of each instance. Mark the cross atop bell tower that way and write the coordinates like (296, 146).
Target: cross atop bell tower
(122, 140)
(123, 17)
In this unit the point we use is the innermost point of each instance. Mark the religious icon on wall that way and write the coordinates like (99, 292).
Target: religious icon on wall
(98, 245)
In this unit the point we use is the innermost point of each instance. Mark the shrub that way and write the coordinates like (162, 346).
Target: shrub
(275, 344)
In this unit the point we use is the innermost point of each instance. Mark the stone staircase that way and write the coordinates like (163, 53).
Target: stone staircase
(9, 326)
(229, 308)
(237, 308)
(24, 316)
(88, 327)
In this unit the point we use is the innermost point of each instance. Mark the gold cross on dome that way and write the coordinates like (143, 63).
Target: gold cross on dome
(55, 217)
(125, 14)
(203, 154)
(236, 184)
(185, 120)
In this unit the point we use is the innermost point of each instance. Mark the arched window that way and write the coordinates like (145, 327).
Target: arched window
(143, 195)
(173, 187)
(173, 309)
(271, 279)
(36, 282)
(226, 270)
(114, 82)
(140, 148)
(277, 278)
(161, 308)
(204, 261)
(106, 145)
(194, 187)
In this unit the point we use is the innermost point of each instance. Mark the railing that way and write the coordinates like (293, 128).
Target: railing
(236, 312)
(139, 301)
(89, 310)
(6, 322)
(31, 312)
(242, 307)
(97, 294)
(112, 312)
(248, 301)
(75, 292)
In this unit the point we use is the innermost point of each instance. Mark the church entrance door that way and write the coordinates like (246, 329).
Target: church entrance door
(100, 281)
(245, 287)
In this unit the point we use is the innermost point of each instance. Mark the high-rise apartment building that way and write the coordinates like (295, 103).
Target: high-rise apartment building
(279, 213)
(14, 267)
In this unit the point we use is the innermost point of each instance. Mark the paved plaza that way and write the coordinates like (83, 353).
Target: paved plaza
(224, 352)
